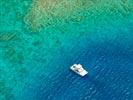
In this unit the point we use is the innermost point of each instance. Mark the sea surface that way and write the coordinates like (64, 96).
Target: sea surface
(41, 39)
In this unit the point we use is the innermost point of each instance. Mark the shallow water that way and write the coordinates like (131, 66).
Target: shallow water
(41, 39)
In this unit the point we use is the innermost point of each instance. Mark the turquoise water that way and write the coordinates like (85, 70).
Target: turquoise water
(41, 39)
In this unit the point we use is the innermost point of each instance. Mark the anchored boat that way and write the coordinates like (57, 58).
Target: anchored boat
(77, 68)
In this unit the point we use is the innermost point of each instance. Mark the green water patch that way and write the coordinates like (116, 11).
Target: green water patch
(6, 37)
(12, 13)
(50, 13)
(62, 23)
(13, 56)
(10, 43)
(5, 92)
(64, 13)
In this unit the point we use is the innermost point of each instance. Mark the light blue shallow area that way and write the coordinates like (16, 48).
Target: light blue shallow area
(33, 68)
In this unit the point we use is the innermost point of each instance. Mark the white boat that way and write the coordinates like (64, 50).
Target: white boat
(77, 68)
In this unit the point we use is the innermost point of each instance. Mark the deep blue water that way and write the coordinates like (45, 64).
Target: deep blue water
(110, 70)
